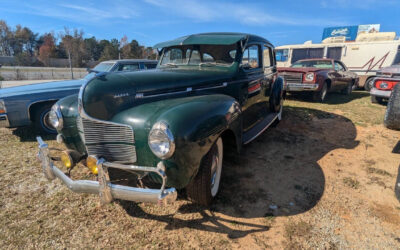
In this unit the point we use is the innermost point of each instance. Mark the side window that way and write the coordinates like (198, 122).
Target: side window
(251, 58)
(338, 67)
(195, 57)
(128, 67)
(150, 65)
(172, 56)
(208, 58)
(267, 57)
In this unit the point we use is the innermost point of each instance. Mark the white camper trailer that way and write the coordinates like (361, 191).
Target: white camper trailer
(366, 55)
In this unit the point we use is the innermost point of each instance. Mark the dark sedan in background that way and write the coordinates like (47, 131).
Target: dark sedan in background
(319, 76)
(23, 105)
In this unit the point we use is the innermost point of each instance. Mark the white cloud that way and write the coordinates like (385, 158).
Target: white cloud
(77, 13)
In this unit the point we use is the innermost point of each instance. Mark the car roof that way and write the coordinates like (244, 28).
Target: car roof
(130, 60)
(216, 38)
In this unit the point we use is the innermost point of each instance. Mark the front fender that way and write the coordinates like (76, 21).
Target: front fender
(196, 122)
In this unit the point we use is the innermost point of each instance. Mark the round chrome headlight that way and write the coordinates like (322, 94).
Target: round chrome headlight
(309, 77)
(161, 140)
(55, 117)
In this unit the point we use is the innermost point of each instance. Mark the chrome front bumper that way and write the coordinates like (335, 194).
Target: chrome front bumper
(380, 93)
(301, 87)
(104, 188)
(4, 123)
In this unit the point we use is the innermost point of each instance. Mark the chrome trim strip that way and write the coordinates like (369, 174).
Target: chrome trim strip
(189, 89)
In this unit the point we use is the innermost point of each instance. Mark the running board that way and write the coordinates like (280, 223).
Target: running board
(259, 128)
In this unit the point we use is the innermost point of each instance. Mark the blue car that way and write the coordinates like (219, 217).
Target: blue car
(24, 105)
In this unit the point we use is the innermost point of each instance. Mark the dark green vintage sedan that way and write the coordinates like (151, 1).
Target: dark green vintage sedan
(168, 126)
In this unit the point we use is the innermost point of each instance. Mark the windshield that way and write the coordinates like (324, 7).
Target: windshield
(321, 64)
(199, 55)
(282, 55)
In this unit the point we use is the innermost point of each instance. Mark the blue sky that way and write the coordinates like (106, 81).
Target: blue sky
(152, 21)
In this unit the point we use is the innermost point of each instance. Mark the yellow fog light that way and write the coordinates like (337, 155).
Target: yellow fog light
(66, 159)
(91, 163)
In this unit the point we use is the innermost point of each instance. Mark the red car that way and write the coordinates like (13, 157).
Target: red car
(319, 76)
(384, 83)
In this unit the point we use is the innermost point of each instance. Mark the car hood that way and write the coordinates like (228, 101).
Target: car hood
(300, 70)
(41, 88)
(106, 95)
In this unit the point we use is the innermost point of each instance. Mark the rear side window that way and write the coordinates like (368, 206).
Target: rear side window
(267, 56)
(251, 58)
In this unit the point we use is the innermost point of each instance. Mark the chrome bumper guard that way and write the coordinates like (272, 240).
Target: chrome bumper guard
(380, 93)
(104, 188)
(301, 87)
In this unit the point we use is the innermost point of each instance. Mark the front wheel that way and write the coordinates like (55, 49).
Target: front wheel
(321, 95)
(368, 84)
(392, 115)
(41, 120)
(204, 187)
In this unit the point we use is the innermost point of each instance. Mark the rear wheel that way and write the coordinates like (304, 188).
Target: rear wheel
(204, 187)
(348, 89)
(321, 95)
(392, 115)
(41, 120)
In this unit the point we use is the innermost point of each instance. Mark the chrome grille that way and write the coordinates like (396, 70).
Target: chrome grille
(113, 142)
(293, 77)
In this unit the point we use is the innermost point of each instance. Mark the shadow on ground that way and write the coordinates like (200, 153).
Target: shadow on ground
(276, 175)
(331, 98)
(29, 134)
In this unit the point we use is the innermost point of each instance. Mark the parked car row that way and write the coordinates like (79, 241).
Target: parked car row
(170, 125)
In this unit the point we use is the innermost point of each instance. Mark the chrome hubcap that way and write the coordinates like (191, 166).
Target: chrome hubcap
(216, 168)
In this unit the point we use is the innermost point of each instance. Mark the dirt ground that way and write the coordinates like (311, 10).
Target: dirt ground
(323, 178)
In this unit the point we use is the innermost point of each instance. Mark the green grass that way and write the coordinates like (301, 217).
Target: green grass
(357, 107)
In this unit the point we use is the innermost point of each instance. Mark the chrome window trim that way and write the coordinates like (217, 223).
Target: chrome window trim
(189, 89)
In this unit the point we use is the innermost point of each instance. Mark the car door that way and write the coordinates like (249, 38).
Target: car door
(342, 78)
(255, 104)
